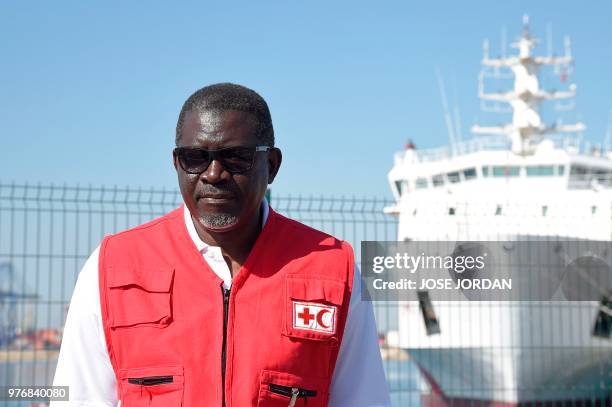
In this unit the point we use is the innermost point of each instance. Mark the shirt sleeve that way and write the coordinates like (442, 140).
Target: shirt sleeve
(359, 378)
(83, 364)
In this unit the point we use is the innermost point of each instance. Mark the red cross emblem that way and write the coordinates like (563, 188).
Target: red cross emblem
(306, 316)
(314, 317)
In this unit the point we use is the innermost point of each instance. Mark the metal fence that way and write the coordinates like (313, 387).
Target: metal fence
(48, 231)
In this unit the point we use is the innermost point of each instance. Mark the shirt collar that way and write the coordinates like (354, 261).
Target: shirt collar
(201, 246)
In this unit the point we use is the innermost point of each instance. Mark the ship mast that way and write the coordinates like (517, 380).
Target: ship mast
(526, 129)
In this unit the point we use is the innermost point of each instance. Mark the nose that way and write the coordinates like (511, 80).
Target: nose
(215, 173)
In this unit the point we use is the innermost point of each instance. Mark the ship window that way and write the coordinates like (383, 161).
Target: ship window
(561, 170)
(402, 187)
(421, 183)
(485, 171)
(603, 176)
(469, 173)
(579, 172)
(544, 210)
(438, 180)
(506, 171)
(540, 171)
(453, 177)
(451, 211)
(398, 186)
(603, 321)
(498, 210)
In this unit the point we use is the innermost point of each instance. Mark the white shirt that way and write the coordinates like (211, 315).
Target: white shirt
(84, 365)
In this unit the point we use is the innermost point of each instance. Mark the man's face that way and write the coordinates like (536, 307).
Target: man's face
(216, 198)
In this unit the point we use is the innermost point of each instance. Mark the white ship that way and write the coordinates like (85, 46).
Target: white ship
(522, 180)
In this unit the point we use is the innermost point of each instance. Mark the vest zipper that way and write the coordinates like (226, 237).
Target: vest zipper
(226, 294)
(151, 380)
(293, 392)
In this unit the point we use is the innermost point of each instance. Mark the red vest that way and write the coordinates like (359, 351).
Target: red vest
(169, 323)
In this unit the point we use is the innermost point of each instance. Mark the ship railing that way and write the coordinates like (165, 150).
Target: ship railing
(574, 144)
(462, 148)
(579, 146)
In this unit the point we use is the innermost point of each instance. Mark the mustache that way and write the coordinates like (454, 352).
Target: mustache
(217, 189)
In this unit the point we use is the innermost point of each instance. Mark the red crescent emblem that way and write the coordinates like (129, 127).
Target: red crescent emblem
(320, 318)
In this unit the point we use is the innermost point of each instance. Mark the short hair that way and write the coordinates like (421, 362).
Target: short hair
(230, 96)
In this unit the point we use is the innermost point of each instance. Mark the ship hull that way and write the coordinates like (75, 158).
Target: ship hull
(514, 353)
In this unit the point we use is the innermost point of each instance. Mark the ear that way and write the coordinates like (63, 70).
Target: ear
(275, 157)
(174, 160)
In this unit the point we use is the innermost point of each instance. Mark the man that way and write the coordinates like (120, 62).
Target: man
(221, 302)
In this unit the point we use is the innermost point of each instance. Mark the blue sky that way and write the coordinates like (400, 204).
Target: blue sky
(90, 91)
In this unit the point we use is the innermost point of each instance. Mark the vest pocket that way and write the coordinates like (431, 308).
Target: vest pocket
(156, 386)
(140, 297)
(277, 389)
(313, 306)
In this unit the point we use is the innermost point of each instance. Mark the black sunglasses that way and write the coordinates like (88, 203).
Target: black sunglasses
(233, 159)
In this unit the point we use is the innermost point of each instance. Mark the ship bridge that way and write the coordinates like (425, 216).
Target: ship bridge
(561, 162)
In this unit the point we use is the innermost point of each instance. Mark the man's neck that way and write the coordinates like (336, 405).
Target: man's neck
(235, 244)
